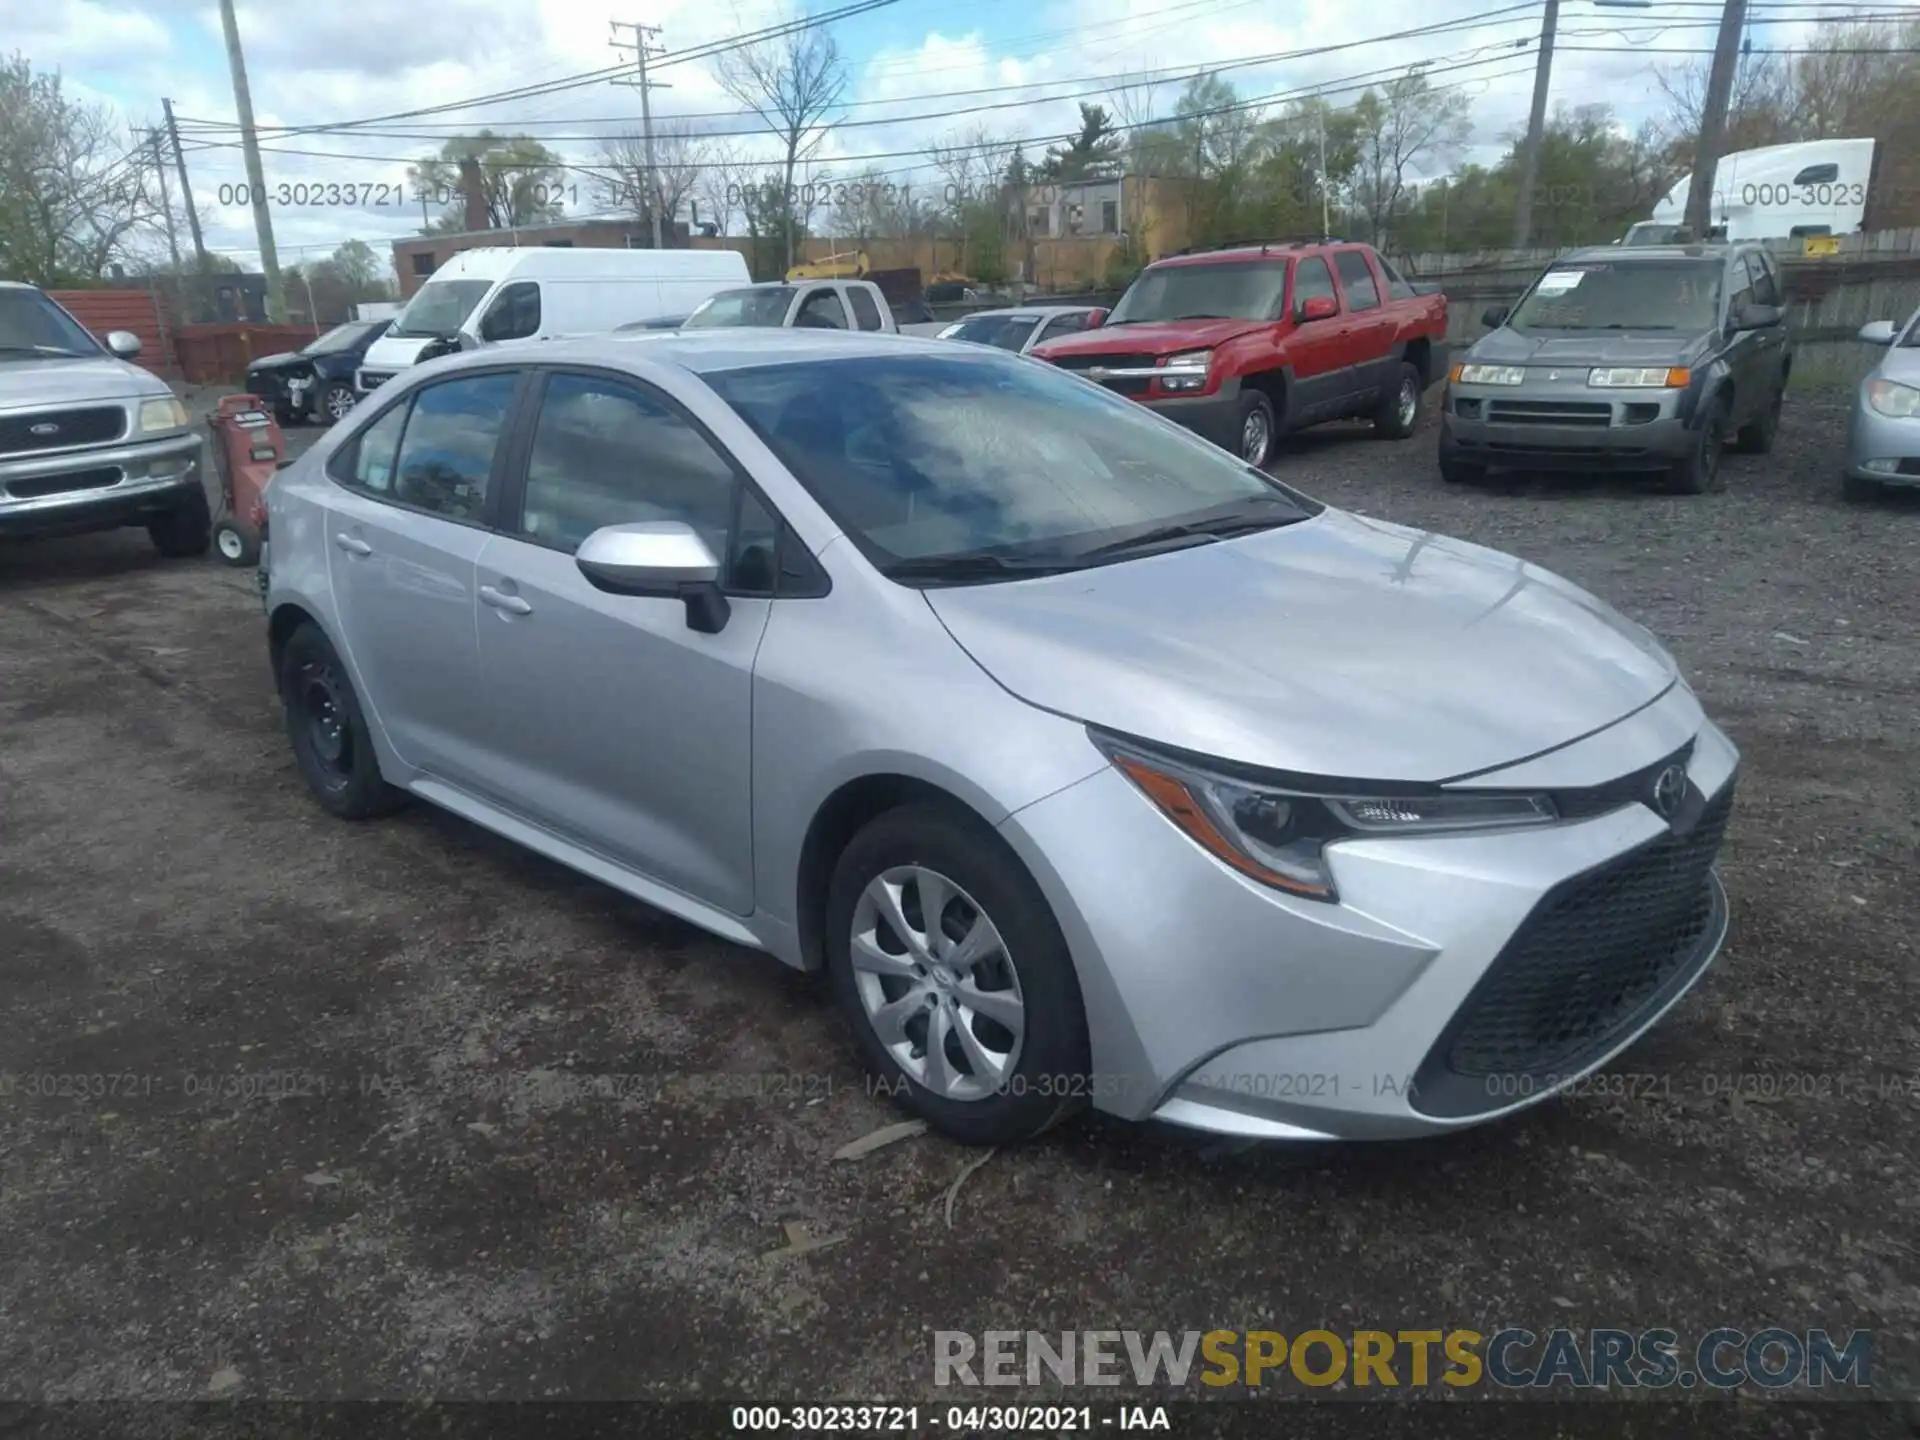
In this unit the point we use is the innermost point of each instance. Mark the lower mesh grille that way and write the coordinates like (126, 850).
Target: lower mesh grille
(1598, 955)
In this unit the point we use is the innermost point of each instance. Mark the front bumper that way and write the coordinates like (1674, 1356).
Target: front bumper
(287, 392)
(1565, 426)
(98, 489)
(1214, 417)
(1882, 448)
(1459, 978)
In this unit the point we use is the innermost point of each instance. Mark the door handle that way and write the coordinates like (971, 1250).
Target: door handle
(352, 546)
(512, 604)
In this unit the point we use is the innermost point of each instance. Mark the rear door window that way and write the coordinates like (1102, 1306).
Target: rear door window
(864, 310)
(1356, 278)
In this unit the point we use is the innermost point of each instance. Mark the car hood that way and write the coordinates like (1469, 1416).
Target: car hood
(394, 351)
(35, 383)
(1339, 646)
(1148, 337)
(1587, 347)
(279, 362)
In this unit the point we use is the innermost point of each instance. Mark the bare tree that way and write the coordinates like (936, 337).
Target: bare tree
(1134, 101)
(723, 184)
(1759, 112)
(1406, 126)
(75, 190)
(794, 83)
(680, 158)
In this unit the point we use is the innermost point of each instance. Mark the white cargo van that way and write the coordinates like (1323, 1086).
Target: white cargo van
(1778, 192)
(499, 295)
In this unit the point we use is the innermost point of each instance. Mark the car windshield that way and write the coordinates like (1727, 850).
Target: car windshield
(1623, 295)
(32, 325)
(990, 458)
(1912, 338)
(441, 307)
(1222, 290)
(1004, 332)
(341, 337)
(1652, 232)
(757, 307)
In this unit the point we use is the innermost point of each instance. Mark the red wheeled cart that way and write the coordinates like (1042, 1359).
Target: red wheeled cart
(247, 448)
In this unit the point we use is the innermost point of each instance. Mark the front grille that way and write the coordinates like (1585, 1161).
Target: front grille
(1611, 795)
(1550, 412)
(1107, 362)
(92, 426)
(1599, 954)
(33, 489)
(372, 379)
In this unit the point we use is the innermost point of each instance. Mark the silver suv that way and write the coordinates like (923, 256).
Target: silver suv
(87, 440)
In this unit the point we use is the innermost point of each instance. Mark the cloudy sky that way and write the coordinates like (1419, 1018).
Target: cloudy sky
(912, 64)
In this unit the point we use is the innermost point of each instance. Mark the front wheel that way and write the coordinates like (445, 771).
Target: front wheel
(1459, 472)
(1700, 473)
(955, 978)
(1399, 411)
(1856, 488)
(335, 403)
(331, 743)
(184, 531)
(1255, 428)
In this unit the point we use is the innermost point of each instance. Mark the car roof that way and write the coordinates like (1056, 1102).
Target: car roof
(1692, 250)
(710, 352)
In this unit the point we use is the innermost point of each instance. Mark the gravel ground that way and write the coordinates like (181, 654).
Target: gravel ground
(180, 920)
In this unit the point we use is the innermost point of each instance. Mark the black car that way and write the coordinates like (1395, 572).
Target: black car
(316, 382)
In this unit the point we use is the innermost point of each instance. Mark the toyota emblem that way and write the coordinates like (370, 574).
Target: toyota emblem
(1669, 790)
(1553, 374)
(44, 430)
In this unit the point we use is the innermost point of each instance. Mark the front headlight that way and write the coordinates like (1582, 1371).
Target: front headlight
(1280, 837)
(167, 414)
(1892, 399)
(1489, 374)
(1647, 378)
(1186, 371)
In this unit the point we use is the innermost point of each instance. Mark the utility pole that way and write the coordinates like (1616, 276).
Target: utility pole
(186, 190)
(1713, 119)
(644, 50)
(1326, 221)
(166, 200)
(256, 178)
(1536, 127)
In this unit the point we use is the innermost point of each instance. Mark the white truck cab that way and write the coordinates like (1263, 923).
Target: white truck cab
(816, 304)
(1777, 192)
(500, 295)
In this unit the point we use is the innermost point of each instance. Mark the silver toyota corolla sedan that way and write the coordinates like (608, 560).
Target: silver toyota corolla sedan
(1092, 765)
(1883, 442)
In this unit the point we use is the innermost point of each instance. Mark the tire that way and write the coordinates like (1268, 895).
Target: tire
(1700, 473)
(1857, 488)
(184, 531)
(1038, 1081)
(331, 744)
(1757, 435)
(1253, 425)
(1398, 414)
(333, 404)
(1459, 472)
(236, 544)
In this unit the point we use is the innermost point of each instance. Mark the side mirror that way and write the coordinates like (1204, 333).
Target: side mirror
(663, 559)
(1494, 316)
(123, 343)
(1095, 319)
(1877, 332)
(1318, 307)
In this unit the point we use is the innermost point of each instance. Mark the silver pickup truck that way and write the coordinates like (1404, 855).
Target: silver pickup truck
(87, 440)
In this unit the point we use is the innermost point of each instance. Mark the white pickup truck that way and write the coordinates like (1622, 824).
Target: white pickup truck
(780, 304)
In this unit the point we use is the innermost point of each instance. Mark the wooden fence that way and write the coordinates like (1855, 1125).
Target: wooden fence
(216, 354)
(104, 311)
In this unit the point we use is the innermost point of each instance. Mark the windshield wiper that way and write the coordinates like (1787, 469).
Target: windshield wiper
(1202, 315)
(42, 350)
(976, 566)
(1220, 526)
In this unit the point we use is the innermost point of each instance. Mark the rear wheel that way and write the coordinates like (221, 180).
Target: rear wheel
(1399, 411)
(1255, 428)
(951, 970)
(184, 531)
(331, 743)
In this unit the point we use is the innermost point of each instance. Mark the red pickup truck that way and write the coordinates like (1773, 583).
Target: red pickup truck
(1247, 343)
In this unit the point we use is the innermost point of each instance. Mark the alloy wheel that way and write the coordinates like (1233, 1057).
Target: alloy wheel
(339, 403)
(1409, 403)
(1255, 435)
(937, 983)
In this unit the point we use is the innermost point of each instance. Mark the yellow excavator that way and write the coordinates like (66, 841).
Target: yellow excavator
(852, 265)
